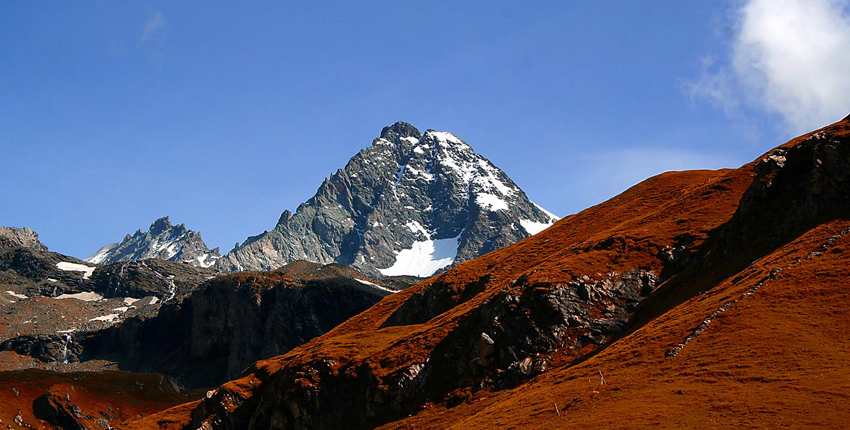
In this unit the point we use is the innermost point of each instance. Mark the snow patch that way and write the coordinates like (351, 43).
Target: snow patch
(443, 137)
(75, 267)
(429, 177)
(14, 294)
(416, 227)
(550, 214)
(366, 282)
(86, 296)
(372, 284)
(533, 227)
(424, 258)
(105, 318)
(398, 176)
(121, 309)
(206, 260)
(492, 202)
(129, 301)
(101, 255)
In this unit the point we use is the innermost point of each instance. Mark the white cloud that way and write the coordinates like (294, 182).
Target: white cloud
(153, 25)
(788, 57)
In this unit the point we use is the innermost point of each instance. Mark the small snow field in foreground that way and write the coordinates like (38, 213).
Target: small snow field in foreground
(105, 318)
(372, 284)
(85, 296)
(75, 267)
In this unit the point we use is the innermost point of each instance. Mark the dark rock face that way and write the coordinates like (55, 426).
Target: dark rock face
(796, 187)
(509, 338)
(141, 278)
(235, 320)
(36, 271)
(60, 412)
(410, 204)
(163, 241)
(47, 348)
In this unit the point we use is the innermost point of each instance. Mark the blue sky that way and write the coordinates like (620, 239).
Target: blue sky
(222, 115)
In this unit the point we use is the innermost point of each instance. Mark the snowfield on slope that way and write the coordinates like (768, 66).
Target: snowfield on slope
(424, 258)
(75, 267)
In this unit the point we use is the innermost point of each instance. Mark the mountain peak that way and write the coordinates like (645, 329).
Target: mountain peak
(164, 241)
(160, 225)
(409, 204)
(400, 130)
(284, 217)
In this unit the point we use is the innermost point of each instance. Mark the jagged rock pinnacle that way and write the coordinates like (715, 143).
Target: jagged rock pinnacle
(164, 241)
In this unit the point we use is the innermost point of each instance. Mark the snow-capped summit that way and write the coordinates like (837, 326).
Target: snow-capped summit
(164, 241)
(409, 204)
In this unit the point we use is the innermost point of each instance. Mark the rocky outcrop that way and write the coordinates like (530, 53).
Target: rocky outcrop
(57, 347)
(33, 270)
(410, 204)
(162, 241)
(512, 336)
(235, 320)
(141, 278)
(13, 236)
(796, 186)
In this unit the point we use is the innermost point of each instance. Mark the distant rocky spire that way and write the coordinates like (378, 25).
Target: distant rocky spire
(164, 241)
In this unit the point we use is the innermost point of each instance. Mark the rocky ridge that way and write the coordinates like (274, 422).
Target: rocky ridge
(51, 301)
(234, 320)
(163, 241)
(409, 204)
(13, 236)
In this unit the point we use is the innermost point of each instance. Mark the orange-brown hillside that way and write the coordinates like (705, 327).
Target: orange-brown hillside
(705, 299)
(36, 398)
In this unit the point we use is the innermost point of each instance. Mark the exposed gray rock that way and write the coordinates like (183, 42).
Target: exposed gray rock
(409, 204)
(141, 278)
(164, 241)
(13, 236)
